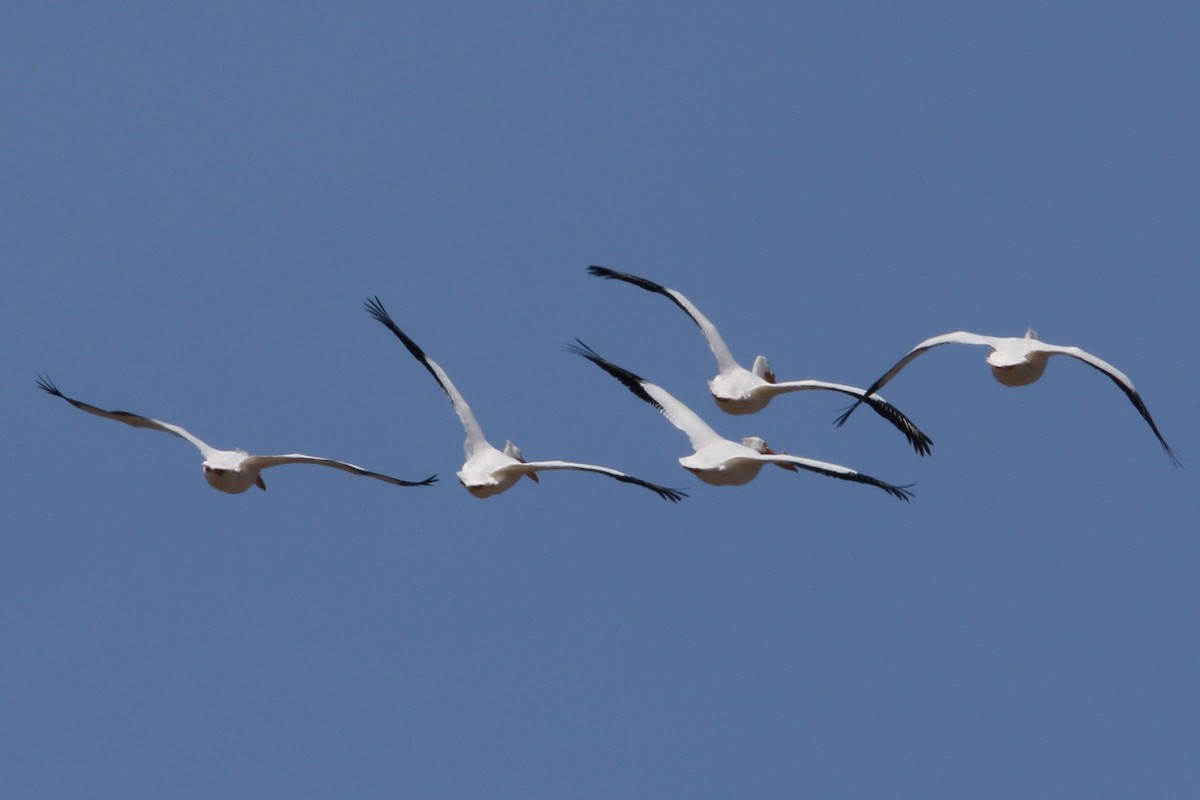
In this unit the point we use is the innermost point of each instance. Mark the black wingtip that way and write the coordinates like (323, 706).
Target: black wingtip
(1171, 454)
(46, 385)
(922, 445)
(636, 280)
(375, 308)
(400, 482)
(665, 492)
(920, 442)
(674, 495)
(579, 348)
(845, 415)
(630, 380)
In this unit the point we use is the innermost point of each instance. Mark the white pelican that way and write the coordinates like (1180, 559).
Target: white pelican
(1019, 361)
(717, 460)
(486, 470)
(230, 471)
(738, 390)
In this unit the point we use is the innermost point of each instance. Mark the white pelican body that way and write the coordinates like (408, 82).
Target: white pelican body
(738, 390)
(1016, 361)
(729, 463)
(489, 471)
(229, 471)
(486, 470)
(1020, 361)
(717, 460)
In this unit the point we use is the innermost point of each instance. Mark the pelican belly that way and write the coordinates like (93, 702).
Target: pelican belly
(735, 473)
(230, 481)
(1021, 373)
(488, 487)
(741, 405)
(1015, 362)
(487, 490)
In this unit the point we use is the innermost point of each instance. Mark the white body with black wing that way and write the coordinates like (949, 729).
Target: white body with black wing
(486, 470)
(738, 390)
(229, 471)
(717, 460)
(1020, 361)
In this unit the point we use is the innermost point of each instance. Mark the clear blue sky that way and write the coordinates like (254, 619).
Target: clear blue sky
(196, 202)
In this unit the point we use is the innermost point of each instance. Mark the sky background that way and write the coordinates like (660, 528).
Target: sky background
(196, 200)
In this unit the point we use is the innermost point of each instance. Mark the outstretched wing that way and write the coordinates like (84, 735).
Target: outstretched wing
(262, 462)
(837, 471)
(956, 337)
(725, 362)
(1122, 381)
(533, 467)
(475, 439)
(136, 420)
(920, 442)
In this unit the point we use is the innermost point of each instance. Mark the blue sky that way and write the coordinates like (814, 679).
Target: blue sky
(197, 201)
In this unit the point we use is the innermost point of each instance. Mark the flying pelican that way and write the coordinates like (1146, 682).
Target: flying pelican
(486, 470)
(1019, 361)
(738, 390)
(230, 471)
(716, 460)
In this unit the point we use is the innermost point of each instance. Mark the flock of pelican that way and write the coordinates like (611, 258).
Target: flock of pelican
(488, 471)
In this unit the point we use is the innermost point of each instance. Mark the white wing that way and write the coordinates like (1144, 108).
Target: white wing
(136, 420)
(725, 362)
(475, 439)
(956, 337)
(1121, 380)
(262, 462)
(533, 467)
(836, 471)
(916, 437)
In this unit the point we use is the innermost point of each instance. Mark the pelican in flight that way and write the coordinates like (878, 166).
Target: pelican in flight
(719, 461)
(1019, 361)
(486, 470)
(738, 390)
(230, 471)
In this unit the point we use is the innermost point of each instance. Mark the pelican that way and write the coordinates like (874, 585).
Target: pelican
(486, 470)
(1019, 361)
(229, 471)
(738, 390)
(716, 460)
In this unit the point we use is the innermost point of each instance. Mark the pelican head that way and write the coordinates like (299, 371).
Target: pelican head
(512, 451)
(757, 444)
(762, 369)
